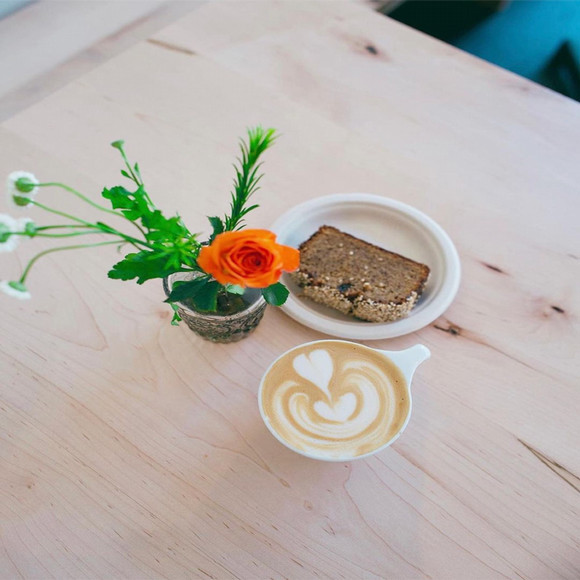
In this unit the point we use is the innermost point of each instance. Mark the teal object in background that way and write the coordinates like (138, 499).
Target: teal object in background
(537, 39)
(9, 6)
(525, 36)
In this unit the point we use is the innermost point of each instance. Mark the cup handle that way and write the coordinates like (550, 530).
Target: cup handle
(408, 360)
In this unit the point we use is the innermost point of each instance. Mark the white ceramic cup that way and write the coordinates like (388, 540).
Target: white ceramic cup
(406, 360)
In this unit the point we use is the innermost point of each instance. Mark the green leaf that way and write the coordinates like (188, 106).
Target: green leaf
(169, 245)
(144, 266)
(234, 289)
(276, 294)
(218, 227)
(176, 318)
(206, 298)
(135, 205)
(121, 198)
(183, 290)
(162, 228)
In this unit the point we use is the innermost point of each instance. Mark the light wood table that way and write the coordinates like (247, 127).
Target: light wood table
(132, 449)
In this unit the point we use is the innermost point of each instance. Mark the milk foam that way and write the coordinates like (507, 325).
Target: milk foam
(316, 367)
(340, 400)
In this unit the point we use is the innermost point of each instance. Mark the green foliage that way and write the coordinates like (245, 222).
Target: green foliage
(202, 292)
(176, 318)
(276, 294)
(246, 181)
(133, 205)
(169, 244)
(205, 299)
(170, 247)
(163, 245)
(136, 206)
(218, 227)
(234, 289)
(145, 265)
(183, 290)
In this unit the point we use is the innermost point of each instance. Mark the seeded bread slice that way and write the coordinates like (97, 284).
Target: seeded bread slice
(358, 278)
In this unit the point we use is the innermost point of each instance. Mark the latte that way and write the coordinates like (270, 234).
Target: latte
(334, 399)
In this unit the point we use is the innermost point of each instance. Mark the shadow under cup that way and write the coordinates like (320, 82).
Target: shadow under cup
(335, 400)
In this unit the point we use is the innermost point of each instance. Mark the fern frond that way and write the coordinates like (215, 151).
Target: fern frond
(247, 178)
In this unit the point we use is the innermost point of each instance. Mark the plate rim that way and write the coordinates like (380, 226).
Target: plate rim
(384, 330)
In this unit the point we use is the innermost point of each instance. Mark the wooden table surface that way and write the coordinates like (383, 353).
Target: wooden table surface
(132, 449)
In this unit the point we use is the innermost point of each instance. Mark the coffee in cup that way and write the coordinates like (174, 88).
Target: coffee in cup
(334, 400)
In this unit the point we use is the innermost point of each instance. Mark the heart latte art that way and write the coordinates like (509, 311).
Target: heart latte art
(335, 400)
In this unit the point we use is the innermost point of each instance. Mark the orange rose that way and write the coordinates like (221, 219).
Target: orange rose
(248, 258)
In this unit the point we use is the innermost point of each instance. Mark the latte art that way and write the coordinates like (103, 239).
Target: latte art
(335, 399)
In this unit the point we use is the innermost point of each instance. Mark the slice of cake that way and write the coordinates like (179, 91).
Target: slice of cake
(358, 278)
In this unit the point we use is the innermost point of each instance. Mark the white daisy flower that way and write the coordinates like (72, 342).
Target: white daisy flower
(8, 226)
(15, 289)
(22, 187)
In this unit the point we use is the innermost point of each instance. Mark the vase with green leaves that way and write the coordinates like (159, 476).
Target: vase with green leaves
(219, 286)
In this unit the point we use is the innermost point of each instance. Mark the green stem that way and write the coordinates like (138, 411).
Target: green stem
(94, 230)
(128, 165)
(63, 226)
(52, 250)
(71, 235)
(109, 230)
(79, 195)
(103, 227)
(60, 213)
(134, 177)
(90, 202)
(41, 235)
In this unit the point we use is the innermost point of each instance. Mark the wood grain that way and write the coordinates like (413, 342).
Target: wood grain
(53, 43)
(131, 449)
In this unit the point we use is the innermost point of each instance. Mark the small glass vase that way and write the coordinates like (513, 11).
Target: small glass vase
(237, 315)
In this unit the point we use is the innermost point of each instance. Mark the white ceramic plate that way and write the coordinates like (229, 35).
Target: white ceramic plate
(389, 224)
